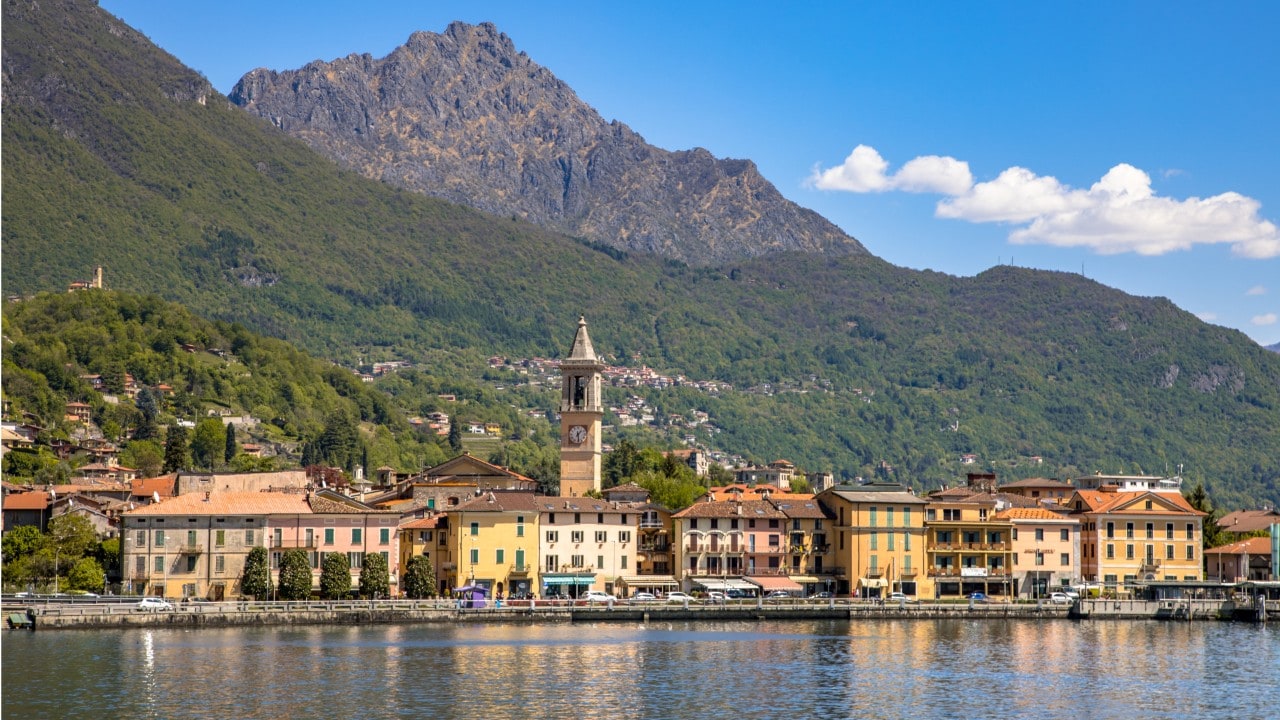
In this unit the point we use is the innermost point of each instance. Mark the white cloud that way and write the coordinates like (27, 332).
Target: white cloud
(864, 171)
(1267, 319)
(1208, 316)
(1257, 290)
(1119, 213)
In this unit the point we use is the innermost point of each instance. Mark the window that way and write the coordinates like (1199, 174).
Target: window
(159, 538)
(873, 517)
(499, 556)
(278, 538)
(733, 523)
(693, 523)
(1168, 531)
(888, 518)
(576, 536)
(1111, 551)
(519, 526)
(219, 563)
(384, 536)
(906, 518)
(599, 518)
(875, 564)
(551, 519)
(1128, 551)
(624, 536)
(875, 540)
(191, 538)
(311, 537)
(1039, 534)
(553, 536)
(1151, 530)
(424, 536)
(1168, 552)
(715, 523)
(952, 515)
(191, 563)
(1064, 559)
(773, 523)
(141, 538)
(1128, 530)
(890, 541)
(1111, 530)
(982, 513)
(328, 536)
(599, 561)
(219, 537)
(475, 556)
(275, 561)
(1191, 552)
(160, 563)
(577, 561)
(1064, 535)
(475, 528)
(357, 536)
(355, 559)
(1191, 533)
(906, 542)
(930, 515)
(553, 562)
(1039, 558)
(520, 559)
(577, 518)
(623, 562)
(602, 536)
(248, 538)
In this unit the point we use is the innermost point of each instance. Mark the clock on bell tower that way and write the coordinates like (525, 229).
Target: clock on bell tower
(581, 414)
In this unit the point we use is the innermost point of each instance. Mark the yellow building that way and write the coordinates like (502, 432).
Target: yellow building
(969, 549)
(1138, 535)
(429, 536)
(879, 544)
(495, 540)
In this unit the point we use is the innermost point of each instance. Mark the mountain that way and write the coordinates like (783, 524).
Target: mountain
(1274, 348)
(465, 117)
(117, 155)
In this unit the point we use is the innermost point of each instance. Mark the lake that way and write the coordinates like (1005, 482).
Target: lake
(798, 669)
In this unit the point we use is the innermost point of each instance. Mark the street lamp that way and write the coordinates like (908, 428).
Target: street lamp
(56, 552)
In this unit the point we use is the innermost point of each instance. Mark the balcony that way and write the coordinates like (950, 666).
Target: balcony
(650, 524)
(821, 549)
(659, 548)
(1149, 566)
(139, 575)
(188, 549)
(799, 549)
(521, 569)
(294, 545)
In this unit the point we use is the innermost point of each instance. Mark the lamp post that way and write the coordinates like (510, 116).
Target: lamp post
(56, 552)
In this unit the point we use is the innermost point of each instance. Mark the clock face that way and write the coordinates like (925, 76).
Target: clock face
(577, 434)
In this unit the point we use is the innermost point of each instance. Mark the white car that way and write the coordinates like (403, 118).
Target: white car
(643, 597)
(1060, 598)
(679, 597)
(715, 596)
(598, 596)
(897, 597)
(155, 604)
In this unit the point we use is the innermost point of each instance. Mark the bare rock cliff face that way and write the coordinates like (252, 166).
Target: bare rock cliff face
(465, 117)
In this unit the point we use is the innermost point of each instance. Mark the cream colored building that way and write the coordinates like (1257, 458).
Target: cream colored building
(1046, 550)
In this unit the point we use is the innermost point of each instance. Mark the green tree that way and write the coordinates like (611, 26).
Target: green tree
(72, 536)
(335, 576)
(145, 455)
(86, 574)
(229, 451)
(109, 556)
(1198, 497)
(420, 578)
(455, 435)
(22, 541)
(295, 575)
(621, 464)
(337, 444)
(208, 443)
(375, 577)
(256, 580)
(175, 449)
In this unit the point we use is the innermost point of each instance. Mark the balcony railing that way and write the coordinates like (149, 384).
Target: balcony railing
(650, 524)
(521, 569)
(655, 547)
(187, 549)
(821, 549)
(798, 549)
(958, 546)
(949, 572)
(293, 545)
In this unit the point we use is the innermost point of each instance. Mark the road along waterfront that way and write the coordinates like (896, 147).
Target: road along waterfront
(761, 669)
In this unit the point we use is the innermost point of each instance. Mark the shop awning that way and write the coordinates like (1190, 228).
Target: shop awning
(808, 579)
(712, 584)
(635, 581)
(740, 585)
(775, 582)
(552, 579)
(874, 582)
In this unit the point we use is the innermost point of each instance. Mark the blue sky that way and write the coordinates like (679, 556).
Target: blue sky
(1138, 143)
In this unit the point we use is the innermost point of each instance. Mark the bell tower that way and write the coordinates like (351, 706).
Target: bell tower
(581, 414)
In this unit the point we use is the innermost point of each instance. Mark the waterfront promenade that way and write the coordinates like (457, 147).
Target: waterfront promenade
(124, 613)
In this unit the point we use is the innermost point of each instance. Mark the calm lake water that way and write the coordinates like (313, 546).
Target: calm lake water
(827, 669)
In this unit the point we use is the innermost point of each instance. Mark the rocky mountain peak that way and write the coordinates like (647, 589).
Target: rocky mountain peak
(463, 115)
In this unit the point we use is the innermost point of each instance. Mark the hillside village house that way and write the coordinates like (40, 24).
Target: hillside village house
(777, 474)
(195, 545)
(879, 540)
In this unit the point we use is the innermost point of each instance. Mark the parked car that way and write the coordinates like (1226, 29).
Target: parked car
(154, 604)
(679, 597)
(1060, 598)
(777, 595)
(738, 594)
(978, 597)
(643, 597)
(824, 595)
(897, 597)
(598, 596)
(715, 596)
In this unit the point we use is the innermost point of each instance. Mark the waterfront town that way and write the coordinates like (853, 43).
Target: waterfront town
(485, 527)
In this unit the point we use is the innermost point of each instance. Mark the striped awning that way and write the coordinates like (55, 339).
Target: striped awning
(635, 581)
(807, 579)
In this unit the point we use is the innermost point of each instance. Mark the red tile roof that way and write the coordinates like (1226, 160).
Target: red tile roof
(26, 501)
(228, 503)
(1253, 546)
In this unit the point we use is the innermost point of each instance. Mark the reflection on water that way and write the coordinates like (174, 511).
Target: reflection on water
(986, 668)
